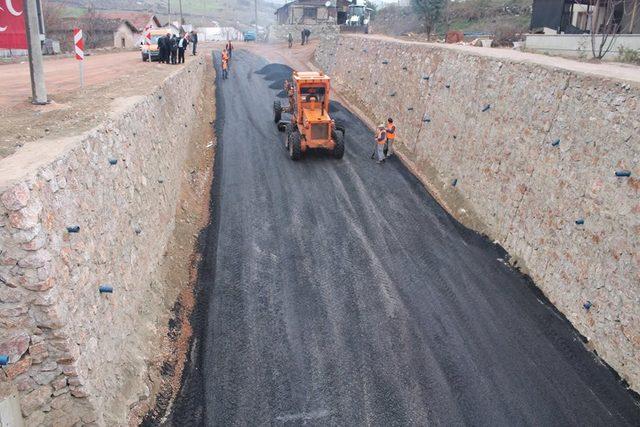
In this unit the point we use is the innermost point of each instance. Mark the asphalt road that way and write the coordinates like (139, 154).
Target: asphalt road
(338, 292)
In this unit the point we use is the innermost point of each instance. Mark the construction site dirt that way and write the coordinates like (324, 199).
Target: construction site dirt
(338, 292)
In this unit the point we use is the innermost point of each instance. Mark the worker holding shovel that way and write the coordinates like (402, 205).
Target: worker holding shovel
(381, 138)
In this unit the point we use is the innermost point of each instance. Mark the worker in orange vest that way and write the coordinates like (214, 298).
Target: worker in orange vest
(225, 55)
(381, 137)
(391, 136)
(225, 69)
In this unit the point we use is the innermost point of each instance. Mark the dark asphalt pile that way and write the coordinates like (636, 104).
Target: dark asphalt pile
(276, 73)
(338, 292)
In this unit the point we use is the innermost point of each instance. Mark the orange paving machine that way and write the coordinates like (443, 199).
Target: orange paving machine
(310, 127)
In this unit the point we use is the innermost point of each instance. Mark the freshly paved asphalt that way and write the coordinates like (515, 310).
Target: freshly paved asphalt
(338, 292)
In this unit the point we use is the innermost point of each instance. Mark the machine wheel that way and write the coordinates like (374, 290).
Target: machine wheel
(295, 147)
(277, 111)
(287, 135)
(145, 58)
(338, 138)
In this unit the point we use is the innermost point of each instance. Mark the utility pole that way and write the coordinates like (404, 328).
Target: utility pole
(256, 6)
(181, 18)
(169, 9)
(38, 89)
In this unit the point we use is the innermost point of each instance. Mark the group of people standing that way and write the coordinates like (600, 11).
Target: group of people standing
(171, 48)
(385, 137)
(304, 35)
(226, 56)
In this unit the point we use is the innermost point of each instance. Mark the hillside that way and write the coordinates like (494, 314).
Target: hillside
(199, 12)
(471, 17)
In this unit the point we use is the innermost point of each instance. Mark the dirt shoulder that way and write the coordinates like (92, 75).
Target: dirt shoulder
(73, 110)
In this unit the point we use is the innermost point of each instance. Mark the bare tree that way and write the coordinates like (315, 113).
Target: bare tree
(604, 28)
(90, 22)
(52, 13)
(633, 4)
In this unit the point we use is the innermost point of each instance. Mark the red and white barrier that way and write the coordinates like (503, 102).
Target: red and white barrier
(78, 43)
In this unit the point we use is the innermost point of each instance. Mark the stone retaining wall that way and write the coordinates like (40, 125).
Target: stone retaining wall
(532, 151)
(86, 212)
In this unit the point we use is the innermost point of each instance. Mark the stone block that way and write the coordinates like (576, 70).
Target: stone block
(49, 366)
(59, 383)
(70, 371)
(38, 286)
(15, 346)
(12, 310)
(60, 391)
(8, 294)
(26, 217)
(16, 197)
(24, 236)
(36, 243)
(13, 370)
(47, 317)
(44, 377)
(24, 383)
(35, 400)
(36, 259)
(79, 392)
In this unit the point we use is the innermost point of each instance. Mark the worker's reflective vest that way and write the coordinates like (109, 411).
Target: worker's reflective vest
(224, 64)
(225, 56)
(391, 131)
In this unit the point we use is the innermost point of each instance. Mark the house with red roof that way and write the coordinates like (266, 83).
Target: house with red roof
(131, 28)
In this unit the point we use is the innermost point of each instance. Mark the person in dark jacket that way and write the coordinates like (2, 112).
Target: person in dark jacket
(182, 46)
(174, 49)
(167, 49)
(302, 36)
(194, 41)
(161, 49)
(229, 48)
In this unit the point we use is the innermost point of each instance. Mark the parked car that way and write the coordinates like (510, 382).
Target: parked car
(152, 49)
(249, 36)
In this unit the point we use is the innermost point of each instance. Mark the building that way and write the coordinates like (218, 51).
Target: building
(307, 12)
(97, 32)
(218, 34)
(579, 16)
(564, 27)
(131, 26)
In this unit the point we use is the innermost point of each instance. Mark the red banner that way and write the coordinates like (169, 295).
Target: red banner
(12, 29)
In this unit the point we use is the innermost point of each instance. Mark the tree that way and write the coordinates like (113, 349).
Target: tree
(604, 27)
(430, 12)
(89, 22)
(53, 14)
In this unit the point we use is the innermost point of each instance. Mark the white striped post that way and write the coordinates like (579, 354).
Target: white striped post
(78, 43)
